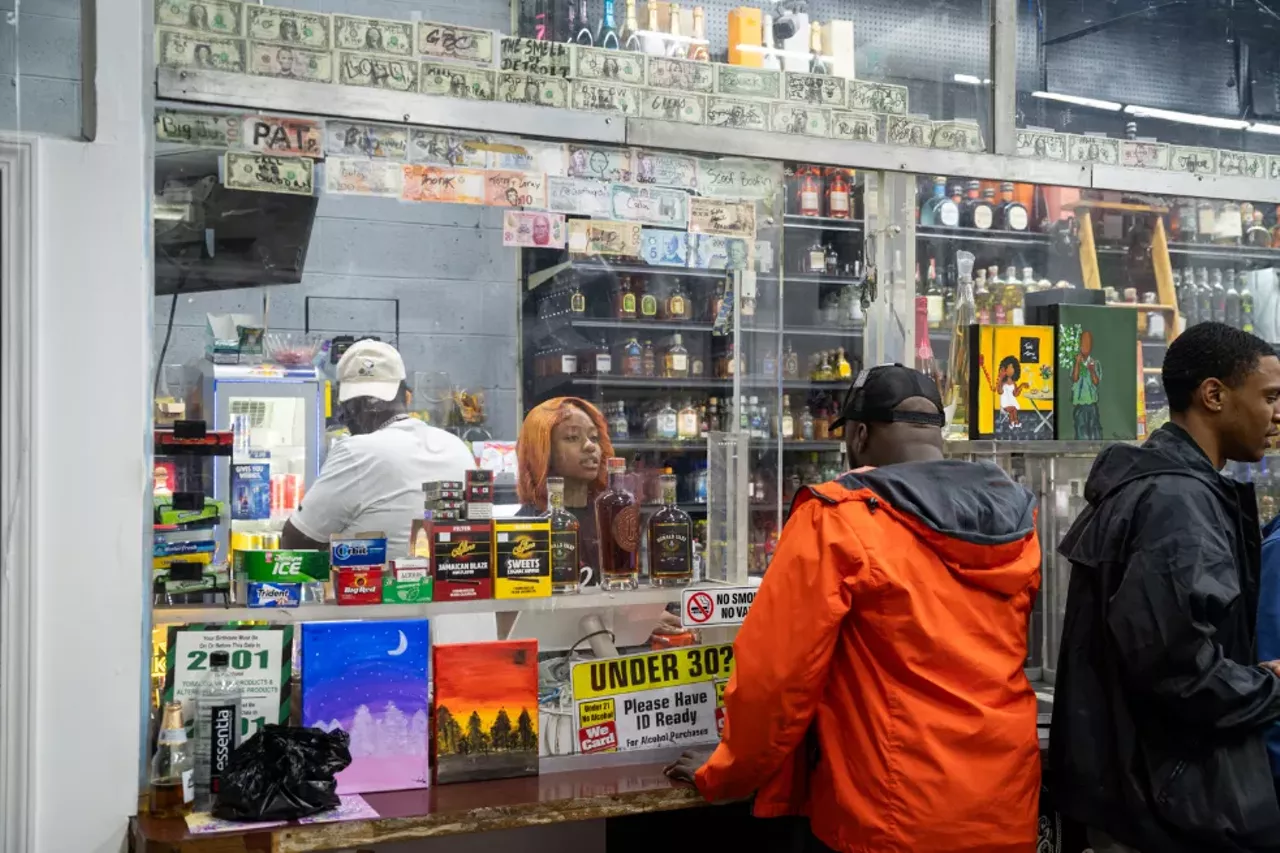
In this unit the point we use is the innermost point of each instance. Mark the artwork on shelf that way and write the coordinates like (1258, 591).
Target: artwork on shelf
(1096, 393)
(486, 710)
(370, 679)
(1011, 377)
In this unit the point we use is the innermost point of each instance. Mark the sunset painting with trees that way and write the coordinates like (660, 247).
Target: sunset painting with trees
(486, 710)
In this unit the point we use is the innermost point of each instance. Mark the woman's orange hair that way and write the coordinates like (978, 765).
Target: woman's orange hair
(533, 448)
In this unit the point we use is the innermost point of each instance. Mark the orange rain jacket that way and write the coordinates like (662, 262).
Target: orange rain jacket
(878, 684)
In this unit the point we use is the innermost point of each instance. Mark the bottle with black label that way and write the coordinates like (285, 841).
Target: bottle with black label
(670, 540)
(218, 711)
(565, 567)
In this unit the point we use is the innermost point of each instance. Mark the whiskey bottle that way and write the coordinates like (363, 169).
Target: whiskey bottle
(1229, 229)
(810, 195)
(977, 211)
(649, 360)
(670, 540)
(1188, 231)
(625, 304)
(648, 302)
(577, 300)
(583, 35)
(687, 422)
(677, 305)
(565, 565)
(816, 258)
(607, 35)
(939, 210)
(838, 197)
(630, 37)
(172, 768)
(632, 358)
(933, 296)
(618, 528)
(603, 360)
(1206, 222)
(675, 361)
(1013, 214)
(787, 420)
(698, 48)
(790, 363)
(1257, 235)
(981, 299)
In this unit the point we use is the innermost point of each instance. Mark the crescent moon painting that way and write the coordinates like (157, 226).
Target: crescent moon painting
(400, 649)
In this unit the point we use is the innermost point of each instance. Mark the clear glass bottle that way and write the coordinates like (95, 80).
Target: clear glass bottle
(806, 424)
(687, 423)
(933, 296)
(1206, 221)
(1246, 301)
(790, 363)
(1204, 295)
(218, 702)
(816, 258)
(603, 360)
(981, 299)
(1229, 227)
(956, 393)
(676, 46)
(618, 530)
(1219, 296)
(698, 47)
(648, 360)
(670, 540)
(172, 776)
(675, 361)
(667, 422)
(1258, 235)
(566, 564)
(1231, 315)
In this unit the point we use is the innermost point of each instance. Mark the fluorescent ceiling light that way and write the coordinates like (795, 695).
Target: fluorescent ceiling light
(1111, 106)
(1186, 118)
(970, 79)
(1272, 129)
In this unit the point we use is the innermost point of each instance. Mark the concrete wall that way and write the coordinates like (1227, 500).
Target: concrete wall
(40, 66)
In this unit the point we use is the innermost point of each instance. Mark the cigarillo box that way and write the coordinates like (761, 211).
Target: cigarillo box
(521, 559)
(461, 561)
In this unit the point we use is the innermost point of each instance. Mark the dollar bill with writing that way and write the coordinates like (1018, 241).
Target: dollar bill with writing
(446, 148)
(455, 44)
(211, 130)
(269, 173)
(290, 63)
(443, 184)
(457, 81)
(363, 139)
(531, 89)
(908, 130)
(717, 252)
(1241, 164)
(363, 177)
(720, 216)
(526, 155)
(212, 17)
(604, 237)
(1273, 167)
(179, 49)
(738, 113)
(1197, 161)
(666, 170)
(1093, 149)
(292, 27)
(600, 163)
(877, 97)
(279, 135)
(541, 58)
(858, 126)
(747, 82)
(605, 97)
(740, 178)
(515, 189)
(799, 119)
(578, 195)
(663, 72)
(651, 205)
(377, 72)
(666, 105)
(820, 90)
(373, 35)
(663, 247)
(958, 136)
(534, 229)
(1144, 155)
(1042, 145)
(610, 66)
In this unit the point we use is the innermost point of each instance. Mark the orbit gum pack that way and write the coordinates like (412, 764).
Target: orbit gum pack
(357, 563)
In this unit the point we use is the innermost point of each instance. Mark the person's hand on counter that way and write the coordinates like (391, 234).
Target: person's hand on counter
(682, 770)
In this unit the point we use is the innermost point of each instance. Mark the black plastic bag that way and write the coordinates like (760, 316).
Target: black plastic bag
(283, 773)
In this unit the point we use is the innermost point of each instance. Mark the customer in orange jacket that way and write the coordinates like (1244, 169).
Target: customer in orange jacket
(878, 685)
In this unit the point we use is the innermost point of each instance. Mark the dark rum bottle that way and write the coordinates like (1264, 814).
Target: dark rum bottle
(565, 564)
(618, 528)
(670, 540)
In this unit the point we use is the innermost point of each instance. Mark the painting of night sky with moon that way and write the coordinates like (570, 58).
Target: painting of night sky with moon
(370, 679)
(486, 710)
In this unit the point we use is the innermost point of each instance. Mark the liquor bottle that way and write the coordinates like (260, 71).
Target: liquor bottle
(964, 315)
(698, 48)
(1219, 297)
(697, 366)
(1246, 301)
(771, 59)
(1275, 230)
(1185, 292)
(607, 35)
(583, 35)
(675, 361)
(977, 211)
(817, 62)
(629, 38)
(939, 209)
(172, 774)
(218, 710)
(811, 192)
(1231, 315)
(677, 307)
(676, 46)
(648, 302)
(1155, 319)
(565, 565)
(1204, 295)
(1188, 226)
(632, 358)
(838, 196)
(806, 425)
(570, 31)
(649, 359)
(687, 422)
(1257, 235)
(787, 421)
(981, 299)
(1013, 214)
(1012, 296)
(1206, 221)
(618, 529)
(843, 370)
(653, 41)
(625, 300)
(831, 262)
(790, 363)
(668, 421)
(925, 362)
(816, 257)
(755, 421)
(713, 415)
(1228, 227)
(769, 365)
(602, 359)
(933, 296)
(670, 540)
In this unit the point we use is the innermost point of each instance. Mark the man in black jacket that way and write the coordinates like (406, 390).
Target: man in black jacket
(1161, 705)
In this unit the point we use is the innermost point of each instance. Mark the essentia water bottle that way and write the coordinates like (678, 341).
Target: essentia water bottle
(218, 710)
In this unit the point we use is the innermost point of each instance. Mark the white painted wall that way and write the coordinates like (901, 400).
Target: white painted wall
(93, 291)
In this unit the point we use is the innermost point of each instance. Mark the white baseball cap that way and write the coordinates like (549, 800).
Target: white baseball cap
(370, 369)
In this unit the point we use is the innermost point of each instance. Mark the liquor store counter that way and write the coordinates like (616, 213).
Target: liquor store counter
(443, 810)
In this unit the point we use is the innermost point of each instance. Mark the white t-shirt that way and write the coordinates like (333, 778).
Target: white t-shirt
(374, 482)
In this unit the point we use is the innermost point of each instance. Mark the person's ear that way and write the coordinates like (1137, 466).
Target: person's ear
(857, 440)
(1213, 394)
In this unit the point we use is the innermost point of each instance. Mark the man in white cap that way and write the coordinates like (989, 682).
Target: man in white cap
(373, 480)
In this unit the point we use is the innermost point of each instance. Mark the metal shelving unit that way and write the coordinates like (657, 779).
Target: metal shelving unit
(979, 235)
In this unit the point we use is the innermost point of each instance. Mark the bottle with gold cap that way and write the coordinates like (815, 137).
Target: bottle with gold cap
(698, 47)
(172, 775)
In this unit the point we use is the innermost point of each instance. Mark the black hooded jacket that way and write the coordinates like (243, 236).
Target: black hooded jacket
(1160, 708)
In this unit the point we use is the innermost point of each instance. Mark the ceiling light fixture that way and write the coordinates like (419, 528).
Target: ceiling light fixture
(1110, 106)
(1186, 118)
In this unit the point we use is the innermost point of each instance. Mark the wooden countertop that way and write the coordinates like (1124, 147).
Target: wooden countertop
(444, 810)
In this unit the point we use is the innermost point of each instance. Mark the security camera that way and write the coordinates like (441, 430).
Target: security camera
(784, 20)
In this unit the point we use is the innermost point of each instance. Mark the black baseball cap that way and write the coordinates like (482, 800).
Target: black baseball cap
(876, 394)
